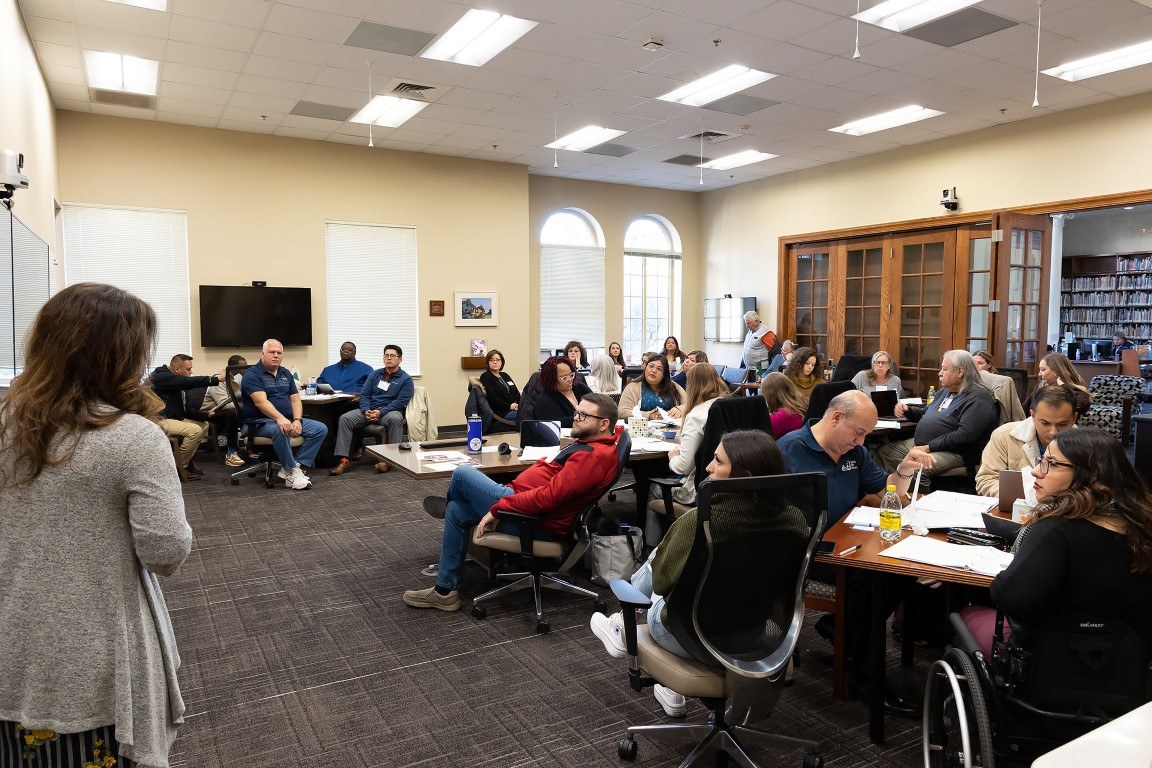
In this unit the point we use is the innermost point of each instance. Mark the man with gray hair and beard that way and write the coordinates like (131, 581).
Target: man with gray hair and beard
(955, 426)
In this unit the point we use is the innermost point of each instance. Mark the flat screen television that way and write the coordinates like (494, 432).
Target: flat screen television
(246, 316)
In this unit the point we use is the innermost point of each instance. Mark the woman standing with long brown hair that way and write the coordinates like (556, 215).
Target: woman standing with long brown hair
(90, 510)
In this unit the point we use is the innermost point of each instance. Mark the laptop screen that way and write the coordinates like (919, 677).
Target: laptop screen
(885, 401)
(539, 434)
(1011, 488)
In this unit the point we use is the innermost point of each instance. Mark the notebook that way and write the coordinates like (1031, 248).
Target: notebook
(885, 401)
(539, 434)
(1011, 488)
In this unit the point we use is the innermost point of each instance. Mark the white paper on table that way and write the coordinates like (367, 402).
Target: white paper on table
(1029, 486)
(651, 445)
(986, 560)
(537, 452)
(441, 456)
(442, 466)
(865, 517)
(319, 398)
(887, 424)
(912, 400)
(947, 509)
(490, 449)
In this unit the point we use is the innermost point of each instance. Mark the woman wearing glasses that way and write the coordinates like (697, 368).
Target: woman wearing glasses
(561, 391)
(879, 377)
(1087, 549)
(655, 391)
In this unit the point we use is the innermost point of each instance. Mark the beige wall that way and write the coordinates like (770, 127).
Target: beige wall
(615, 206)
(28, 124)
(1097, 150)
(256, 208)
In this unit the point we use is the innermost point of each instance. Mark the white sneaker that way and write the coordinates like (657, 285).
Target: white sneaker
(284, 474)
(297, 480)
(610, 630)
(674, 704)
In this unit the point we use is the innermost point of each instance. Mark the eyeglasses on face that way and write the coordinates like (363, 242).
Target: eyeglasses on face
(567, 377)
(388, 355)
(1047, 463)
(581, 416)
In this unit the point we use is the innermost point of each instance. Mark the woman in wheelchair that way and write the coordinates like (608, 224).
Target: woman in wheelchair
(743, 453)
(1087, 549)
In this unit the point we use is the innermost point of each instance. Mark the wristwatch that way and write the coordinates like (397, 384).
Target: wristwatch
(908, 476)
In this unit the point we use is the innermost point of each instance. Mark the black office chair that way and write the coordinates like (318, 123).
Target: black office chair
(850, 365)
(739, 658)
(1068, 676)
(477, 403)
(534, 547)
(822, 394)
(248, 443)
(528, 398)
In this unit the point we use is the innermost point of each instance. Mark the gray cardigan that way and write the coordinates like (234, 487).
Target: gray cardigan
(85, 638)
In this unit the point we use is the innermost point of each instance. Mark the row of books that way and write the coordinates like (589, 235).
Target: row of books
(1133, 264)
(1135, 332)
(1085, 315)
(1094, 283)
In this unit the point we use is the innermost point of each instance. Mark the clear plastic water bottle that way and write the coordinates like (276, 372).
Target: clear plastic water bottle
(891, 519)
(931, 396)
(475, 433)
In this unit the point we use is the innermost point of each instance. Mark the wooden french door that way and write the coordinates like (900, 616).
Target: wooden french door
(1021, 253)
(926, 266)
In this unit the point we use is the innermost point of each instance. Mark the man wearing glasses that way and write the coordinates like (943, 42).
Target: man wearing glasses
(1020, 444)
(382, 401)
(554, 490)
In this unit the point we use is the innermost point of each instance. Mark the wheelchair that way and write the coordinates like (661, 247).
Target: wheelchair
(1071, 675)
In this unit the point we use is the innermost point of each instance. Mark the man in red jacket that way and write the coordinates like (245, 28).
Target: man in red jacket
(555, 491)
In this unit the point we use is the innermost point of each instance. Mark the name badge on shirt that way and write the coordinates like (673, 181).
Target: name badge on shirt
(383, 385)
(947, 402)
(881, 388)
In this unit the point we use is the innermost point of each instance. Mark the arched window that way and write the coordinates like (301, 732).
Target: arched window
(571, 280)
(652, 274)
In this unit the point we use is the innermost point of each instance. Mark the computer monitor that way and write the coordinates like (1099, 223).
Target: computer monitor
(1103, 348)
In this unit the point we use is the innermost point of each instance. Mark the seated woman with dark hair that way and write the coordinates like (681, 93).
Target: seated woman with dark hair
(560, 392)
(672, 352)
(984, 361)
(220, 410)
(499, 388)
(801, 369)
(652, 391)
(616, 352)
(1087, 549)
(577, 358)
(761, 520)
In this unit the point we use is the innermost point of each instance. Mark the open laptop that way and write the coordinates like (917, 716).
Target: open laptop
(325, 389)
(1011, 488)
(539, 434)
(885, 401)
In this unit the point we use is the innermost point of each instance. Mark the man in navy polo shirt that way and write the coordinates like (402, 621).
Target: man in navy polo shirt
(382, 401)
(272, 409)
(348, 374)
(834, 445)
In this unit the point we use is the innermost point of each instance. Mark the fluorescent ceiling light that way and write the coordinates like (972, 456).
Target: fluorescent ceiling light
(587, 137)
(731, 79)
(900, 15)
(153, 5)
(1104, 63)
(747, 157)
(115, 72)
(886, 120)
(477, 37)
(388, 111)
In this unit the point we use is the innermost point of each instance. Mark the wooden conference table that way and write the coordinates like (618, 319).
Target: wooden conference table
(869, 557)
(327, 409)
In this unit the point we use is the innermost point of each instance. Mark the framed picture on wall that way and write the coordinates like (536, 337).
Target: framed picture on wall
(477, 308)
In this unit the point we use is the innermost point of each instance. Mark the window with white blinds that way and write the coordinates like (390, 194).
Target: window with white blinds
(141, 250)
(372, 289)
(571, 296)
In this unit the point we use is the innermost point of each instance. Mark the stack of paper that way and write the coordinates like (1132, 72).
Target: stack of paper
(920, 549)
(887, 424)
(651, 445)
(536, 452)
(946, 509)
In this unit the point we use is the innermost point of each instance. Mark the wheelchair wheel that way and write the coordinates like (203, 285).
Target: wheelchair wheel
(956, 730)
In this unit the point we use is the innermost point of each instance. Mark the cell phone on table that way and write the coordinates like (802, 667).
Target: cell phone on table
(825, 547)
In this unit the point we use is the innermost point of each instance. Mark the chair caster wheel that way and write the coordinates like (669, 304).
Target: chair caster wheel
(627, 748)
(813, 760)
(267, 483)
(611, 497)
(235, 481)
(601, 607)
(543, 627)
(479, 612)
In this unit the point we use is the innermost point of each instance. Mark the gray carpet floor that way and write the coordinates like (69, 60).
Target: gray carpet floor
(298, 651)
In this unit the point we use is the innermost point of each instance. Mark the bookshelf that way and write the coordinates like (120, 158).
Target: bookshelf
(1101, 294)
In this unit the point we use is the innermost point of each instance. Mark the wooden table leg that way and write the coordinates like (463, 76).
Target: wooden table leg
(876, 649)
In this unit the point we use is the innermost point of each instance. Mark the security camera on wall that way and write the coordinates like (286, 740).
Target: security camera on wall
(949, 200)
(11, 163)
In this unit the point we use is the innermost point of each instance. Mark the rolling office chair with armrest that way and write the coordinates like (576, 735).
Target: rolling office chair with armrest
(740, 658)
(822, 394)
(533, 547)
(249, 443)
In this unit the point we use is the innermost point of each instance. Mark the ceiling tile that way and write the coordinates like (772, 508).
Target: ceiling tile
(466, 97)
(296, 71)
(961, 27)
(61, 91)
(309, 123)
(314, 25)
(427, 15)
(61, 10)
(211, 78)
(301, 133)
(263, 104)
(498, 82)
(721, 14)
(337, 96)
(244, 125)
(51, 30)
(244, 13)
(106, 15)
(296, 48)
(529, 63)
(59, 73)
(558, 40)
(213, 58)
(785, 20)
(622, 54)
(93, 39)
(357, 8)
(51, 53)
(71, 105)
(1088, 16)
(267, 86)
(587, 73)
(518, 105)
(212, 33)
(176, 117)
(164, 104)
(198, 93)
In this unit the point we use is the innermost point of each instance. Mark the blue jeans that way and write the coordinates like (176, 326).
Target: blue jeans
(313, 433)
(642, 580)
(471, 493)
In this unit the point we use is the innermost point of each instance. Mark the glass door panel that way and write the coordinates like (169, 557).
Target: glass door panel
(863, 268)
(1022, 321)
(810, 309)
(925, 307)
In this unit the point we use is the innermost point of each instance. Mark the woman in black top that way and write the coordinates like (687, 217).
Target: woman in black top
(1088, 548)
(577, 358)
(499, 388)
(561, 392)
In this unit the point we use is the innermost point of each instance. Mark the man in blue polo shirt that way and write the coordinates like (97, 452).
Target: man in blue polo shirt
(347, 374)
(834, 445)
(272, 409)
(382, 401)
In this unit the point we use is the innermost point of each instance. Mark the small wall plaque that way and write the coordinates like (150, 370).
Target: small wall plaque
(435, 308)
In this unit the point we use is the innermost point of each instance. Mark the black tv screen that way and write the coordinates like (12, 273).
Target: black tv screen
(246, 316)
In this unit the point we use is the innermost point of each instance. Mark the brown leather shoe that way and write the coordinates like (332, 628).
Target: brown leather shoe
(341, 468)
(382, 467)
(356, 455)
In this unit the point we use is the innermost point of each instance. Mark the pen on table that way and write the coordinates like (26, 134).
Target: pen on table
(848, 551)
(916, 487)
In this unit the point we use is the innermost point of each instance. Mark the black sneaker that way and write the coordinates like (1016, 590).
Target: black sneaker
(825, 626)
(435, 506)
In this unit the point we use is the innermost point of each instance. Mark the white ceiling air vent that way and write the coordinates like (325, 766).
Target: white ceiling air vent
(711, 137)
(122, 99)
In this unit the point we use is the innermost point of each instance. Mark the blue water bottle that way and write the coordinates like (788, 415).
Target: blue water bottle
(475, 433)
